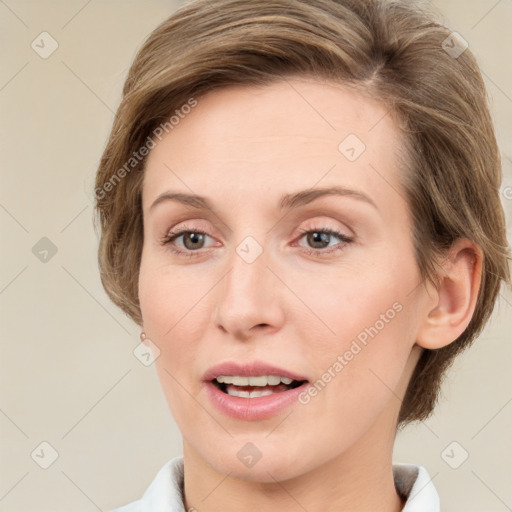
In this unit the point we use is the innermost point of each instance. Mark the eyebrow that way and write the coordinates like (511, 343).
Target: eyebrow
(287, 202)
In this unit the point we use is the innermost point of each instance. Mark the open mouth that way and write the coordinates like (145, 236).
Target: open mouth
(254, 387)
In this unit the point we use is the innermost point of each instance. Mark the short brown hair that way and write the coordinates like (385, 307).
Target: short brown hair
(392, 50)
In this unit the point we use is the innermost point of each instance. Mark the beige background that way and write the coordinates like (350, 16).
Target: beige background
(68, 374)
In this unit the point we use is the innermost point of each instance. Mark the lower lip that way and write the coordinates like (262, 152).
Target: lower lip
(253, 409)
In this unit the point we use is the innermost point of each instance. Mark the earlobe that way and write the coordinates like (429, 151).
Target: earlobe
(456, 296)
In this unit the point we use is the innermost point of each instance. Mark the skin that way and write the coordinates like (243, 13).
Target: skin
(243, 148)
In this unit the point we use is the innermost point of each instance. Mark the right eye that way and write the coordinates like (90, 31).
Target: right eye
(192, 241)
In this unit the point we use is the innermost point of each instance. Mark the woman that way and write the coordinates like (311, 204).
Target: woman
(299, 206)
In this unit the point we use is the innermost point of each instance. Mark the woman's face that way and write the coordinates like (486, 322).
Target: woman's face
(280, 279)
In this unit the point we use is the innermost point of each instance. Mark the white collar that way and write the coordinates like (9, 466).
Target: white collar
(414, 485)
(164, 494)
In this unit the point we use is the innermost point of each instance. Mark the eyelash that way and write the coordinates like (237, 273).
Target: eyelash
(170, 237)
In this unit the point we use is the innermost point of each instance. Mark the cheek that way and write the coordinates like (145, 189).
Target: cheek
(169, 305)
(173, 305)
(167, 296)
(357, 373)
(334, 310)
(362, 336)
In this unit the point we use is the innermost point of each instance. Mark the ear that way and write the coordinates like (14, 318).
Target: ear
(452, 304)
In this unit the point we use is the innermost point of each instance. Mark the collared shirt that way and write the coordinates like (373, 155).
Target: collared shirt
(165, 493)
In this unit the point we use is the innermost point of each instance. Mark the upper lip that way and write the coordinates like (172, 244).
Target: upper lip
(250, 369)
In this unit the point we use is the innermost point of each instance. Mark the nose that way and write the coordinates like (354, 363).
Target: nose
(249, 300)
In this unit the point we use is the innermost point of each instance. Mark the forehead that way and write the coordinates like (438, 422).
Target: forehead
(282, 136)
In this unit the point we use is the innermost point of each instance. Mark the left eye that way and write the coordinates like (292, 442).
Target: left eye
(319, 239)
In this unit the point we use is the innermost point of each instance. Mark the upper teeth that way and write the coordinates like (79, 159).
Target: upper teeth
(262, 380)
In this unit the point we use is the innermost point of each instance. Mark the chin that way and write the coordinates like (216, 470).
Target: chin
(259, 460)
